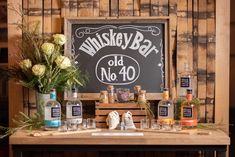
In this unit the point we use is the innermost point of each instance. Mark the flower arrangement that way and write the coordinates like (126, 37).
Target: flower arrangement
(42, 65)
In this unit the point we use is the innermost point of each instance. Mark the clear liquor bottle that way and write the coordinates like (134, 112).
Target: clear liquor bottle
(52, 117)
(166, 108)
(189, 111)
(185, 81)
(74, 109)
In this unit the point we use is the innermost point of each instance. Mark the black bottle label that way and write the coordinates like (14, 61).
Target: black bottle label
(55, 112)
(184, 82)
(76, 111)
(163, 111)
(187, 112)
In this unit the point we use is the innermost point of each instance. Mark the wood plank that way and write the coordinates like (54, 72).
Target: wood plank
(35, 13)
(15, 90)
(85, 8)
(64, 8)
(104, 8)
(154, 7)
(126, 8)
(96, 7)
(134, 112)
(3, 25)
(25, 12)
(163, 8)
(3, 44)
(149, 138)
(73, 8)
(56, 19)
(47, 17)
(195, 43)
(136, 7)
(182, 30)
(145, 7)
(172, 47)
(222, 62)
(210, 90)
(202, 51)
(114, 5)
(189, 34)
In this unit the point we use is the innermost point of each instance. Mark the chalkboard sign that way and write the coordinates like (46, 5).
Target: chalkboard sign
(120, 52)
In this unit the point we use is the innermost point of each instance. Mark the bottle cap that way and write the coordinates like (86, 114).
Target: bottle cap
(189, 91)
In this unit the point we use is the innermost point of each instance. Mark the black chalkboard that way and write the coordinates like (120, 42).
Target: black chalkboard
(120, 52)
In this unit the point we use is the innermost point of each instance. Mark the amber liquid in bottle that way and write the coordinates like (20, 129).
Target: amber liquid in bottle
(189, 113)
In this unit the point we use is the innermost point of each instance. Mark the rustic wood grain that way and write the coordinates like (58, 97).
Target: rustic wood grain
(163, 8)
(85, 8)
(202, 51)
(104, 8)
(145, 7)
(210, 90)
(172, 49)
(114, 5)
(47, 22)
(96, 7)
(126, 8)
(155, 7)
(35, 14)
(56, 21)
(73, 8)
(136, 7)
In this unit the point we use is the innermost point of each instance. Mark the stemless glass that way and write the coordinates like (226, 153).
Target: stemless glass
(144, 123)
(91, 123)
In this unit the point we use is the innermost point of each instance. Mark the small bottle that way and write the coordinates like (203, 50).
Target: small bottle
(185, 81)
(74, 109)
(52, 118)
(137, 89)
(104, 97)
(189, 111)
(166, 108)
(111, 97)
(142, 96)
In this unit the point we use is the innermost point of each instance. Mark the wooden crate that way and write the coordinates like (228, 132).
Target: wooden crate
(102, 110)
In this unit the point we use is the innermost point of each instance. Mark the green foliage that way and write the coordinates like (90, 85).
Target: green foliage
(147, 106)
(23, 121)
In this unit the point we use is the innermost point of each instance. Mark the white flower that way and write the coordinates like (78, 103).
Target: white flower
(63, 62)
(25, 64)
(38, 69)
(47, 48)
(59, 39)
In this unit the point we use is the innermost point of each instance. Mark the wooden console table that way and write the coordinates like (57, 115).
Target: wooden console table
(217, 142)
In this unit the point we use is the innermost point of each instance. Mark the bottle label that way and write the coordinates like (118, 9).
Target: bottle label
(55, 112)
(76, 111)
(184, 82)
(187, 112)
(163, 111)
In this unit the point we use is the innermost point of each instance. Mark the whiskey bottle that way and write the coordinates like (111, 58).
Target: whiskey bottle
(189, 111)
(74, 109)
(166, 108)
(52, 117)
(185, 81)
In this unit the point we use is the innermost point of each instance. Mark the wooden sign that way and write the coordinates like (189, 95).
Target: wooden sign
(120, 52)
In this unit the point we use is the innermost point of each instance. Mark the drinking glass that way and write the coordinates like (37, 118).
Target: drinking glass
(177, 125)
(144, 123)
(91, 123)
(155, 124)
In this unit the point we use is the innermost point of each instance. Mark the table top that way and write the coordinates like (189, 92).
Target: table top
(117, 137)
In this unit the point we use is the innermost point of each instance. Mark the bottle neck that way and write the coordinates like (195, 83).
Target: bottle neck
(74, 95)
(53, 95)
(165, 95)
(189, 97)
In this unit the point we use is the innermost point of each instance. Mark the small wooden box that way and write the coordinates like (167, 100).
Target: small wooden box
(102, 110)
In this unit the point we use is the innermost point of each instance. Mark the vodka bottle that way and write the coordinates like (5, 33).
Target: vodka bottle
(74, 109)
(166, 108)
(52, 117)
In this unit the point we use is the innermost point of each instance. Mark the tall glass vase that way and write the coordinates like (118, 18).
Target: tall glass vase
(41, 100)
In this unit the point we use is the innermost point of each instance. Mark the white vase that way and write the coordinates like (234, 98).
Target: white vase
(41, 100)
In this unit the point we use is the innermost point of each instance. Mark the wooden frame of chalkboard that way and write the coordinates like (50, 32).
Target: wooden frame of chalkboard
(110, 36)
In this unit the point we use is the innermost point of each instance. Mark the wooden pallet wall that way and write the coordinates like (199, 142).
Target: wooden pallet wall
(191, 33)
